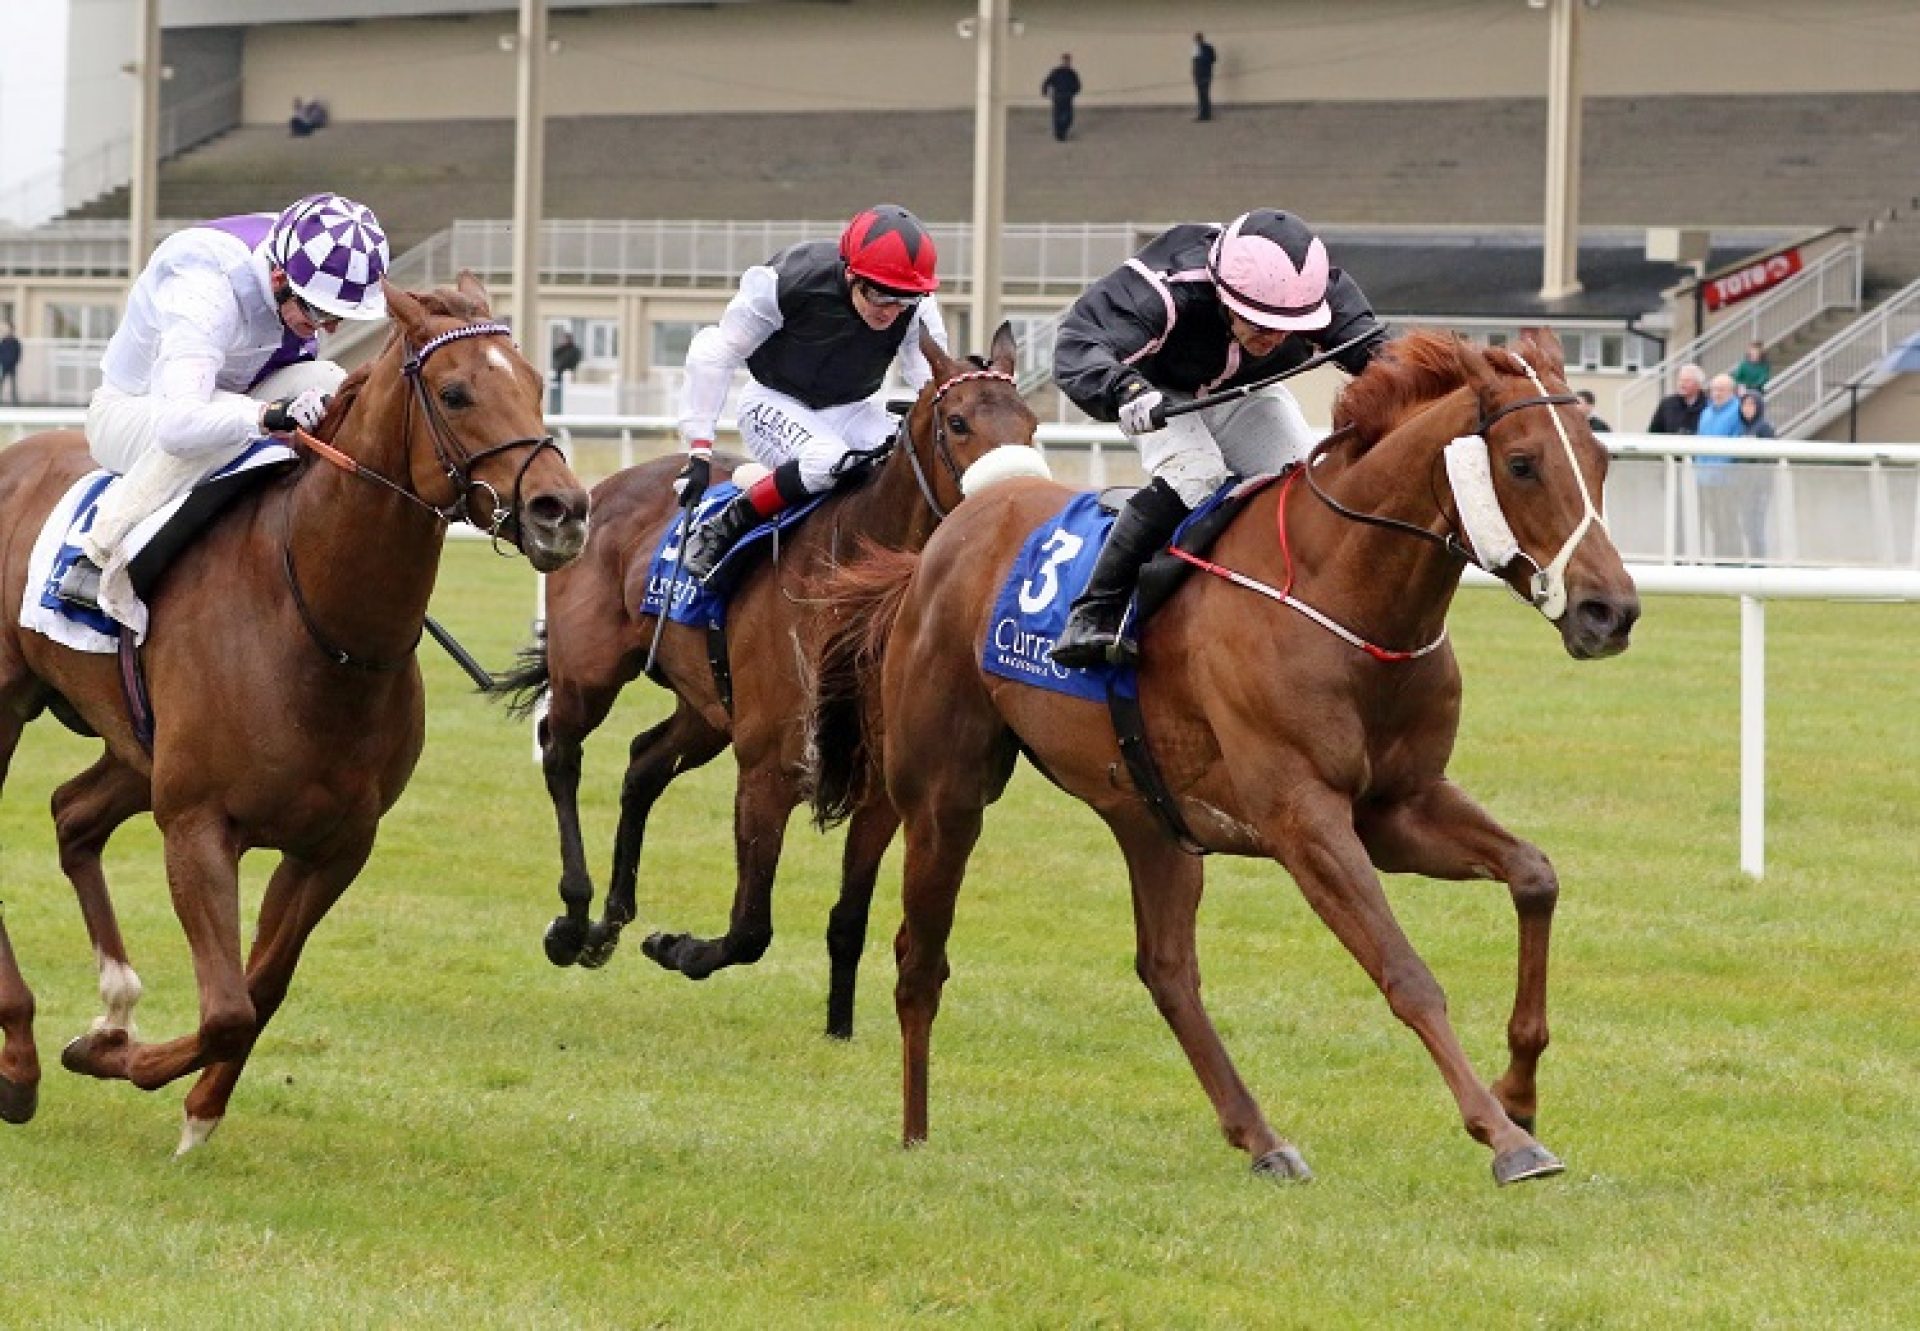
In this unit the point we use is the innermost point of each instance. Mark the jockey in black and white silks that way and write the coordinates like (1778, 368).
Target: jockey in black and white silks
(817, 327)
(1201, 309)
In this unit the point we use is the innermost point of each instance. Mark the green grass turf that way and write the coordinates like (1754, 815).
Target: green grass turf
(441, 1129)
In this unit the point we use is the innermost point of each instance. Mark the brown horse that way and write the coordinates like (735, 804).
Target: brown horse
(286, 696)
(597, 640)
(1277, 736)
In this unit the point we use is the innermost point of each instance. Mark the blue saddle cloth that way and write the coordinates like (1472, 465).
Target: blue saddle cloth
(689, 602)
(1051, 569)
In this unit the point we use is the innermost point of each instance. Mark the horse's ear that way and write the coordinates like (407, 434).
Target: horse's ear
(1549, 355)
(1004, 351)
(1477, 372)
(937, 359)
(475, 290)
(410, 313)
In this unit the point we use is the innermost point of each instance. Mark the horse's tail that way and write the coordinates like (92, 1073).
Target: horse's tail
(521, 688)
(843, 724)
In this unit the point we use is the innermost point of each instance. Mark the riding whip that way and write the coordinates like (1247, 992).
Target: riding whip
(462, 657)
(1167, 411)
(687, 506)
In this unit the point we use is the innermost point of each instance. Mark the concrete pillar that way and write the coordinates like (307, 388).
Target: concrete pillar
(1560, 275)
(143, 186)
(529, 168)
(989, 168)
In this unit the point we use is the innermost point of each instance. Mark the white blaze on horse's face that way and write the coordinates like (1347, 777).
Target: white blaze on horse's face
(1470, 472)
(498, 359)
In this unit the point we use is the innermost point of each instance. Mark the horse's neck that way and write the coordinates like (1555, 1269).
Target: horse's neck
(1390, 586)
(365, 557)
(889, 509)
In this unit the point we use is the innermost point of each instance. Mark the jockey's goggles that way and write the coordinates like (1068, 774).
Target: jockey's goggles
(878, 295)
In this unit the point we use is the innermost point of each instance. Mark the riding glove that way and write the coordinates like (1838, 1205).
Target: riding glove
(691, 483)
(1136, 414)
(299, 412)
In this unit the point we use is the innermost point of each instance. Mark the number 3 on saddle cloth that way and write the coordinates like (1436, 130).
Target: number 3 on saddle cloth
(148, 549)
(1051, 569)
(705, 606)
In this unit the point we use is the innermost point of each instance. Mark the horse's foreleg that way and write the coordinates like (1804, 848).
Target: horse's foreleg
(679, 744)
(560, 764)
(203, 875)
(869, 833)
(762, 804)
(297, 898)
(1167, 884)
(1321, 850)
(1442, 833)
(86, 812)
(19, 1057)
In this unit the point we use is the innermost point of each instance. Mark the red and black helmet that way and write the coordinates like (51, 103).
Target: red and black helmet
(889, 247)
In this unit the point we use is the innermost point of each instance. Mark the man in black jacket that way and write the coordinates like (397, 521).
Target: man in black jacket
(1201, 309)
(1679, 412)
(1062, 84)
(1203, 58)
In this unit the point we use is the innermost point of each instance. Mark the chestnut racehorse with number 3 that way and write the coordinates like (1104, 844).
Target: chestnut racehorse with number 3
(287, 701)
(1299, 694)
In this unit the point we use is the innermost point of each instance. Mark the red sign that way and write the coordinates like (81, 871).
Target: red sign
(1751, 280)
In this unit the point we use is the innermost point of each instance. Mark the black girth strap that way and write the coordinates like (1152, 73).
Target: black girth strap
(717, 659)
(133, 686)
(1130, 728)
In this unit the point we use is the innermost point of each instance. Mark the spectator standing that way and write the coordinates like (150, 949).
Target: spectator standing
(1717, 478)
(1203, 58)
(1754, 370)
(1062, 84)
(1679, 411)
(10, 362)
(1594, 423)
(298, 125)
(566, 354)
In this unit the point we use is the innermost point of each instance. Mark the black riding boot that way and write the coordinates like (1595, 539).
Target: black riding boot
(708, 543)
(1092, 636)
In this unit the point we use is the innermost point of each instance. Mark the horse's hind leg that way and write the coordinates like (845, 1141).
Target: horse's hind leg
(762, 803)
(869, 833)
(298, 896)
(1442, 833)
(1167, 885)
(679, 744)
(86, 811)
(19, 1058)
(574, 710)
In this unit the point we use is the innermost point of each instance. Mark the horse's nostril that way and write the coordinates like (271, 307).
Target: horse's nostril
(1597, 615)
(549, 511)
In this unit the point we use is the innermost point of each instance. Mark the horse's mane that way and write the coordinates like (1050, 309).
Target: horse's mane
(447, 302)
(1418, 368)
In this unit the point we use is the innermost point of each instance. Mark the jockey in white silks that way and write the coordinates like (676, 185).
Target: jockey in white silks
(218, 348)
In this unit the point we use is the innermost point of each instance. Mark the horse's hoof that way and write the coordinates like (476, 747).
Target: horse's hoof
(1522, 1163)
(565, 937)
(839, 1030)
(1283, 1165)
(602, 939)
(17, 1102)
(101, 1054)
(194, 1133)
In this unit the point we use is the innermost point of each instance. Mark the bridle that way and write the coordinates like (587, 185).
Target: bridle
(1489, 543)
(455, 463)
(941, 448)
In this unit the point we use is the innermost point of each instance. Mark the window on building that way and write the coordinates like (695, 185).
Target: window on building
(671, 339)
(76, 322)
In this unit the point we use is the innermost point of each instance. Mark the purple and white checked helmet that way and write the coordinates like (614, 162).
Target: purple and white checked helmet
(334, 255)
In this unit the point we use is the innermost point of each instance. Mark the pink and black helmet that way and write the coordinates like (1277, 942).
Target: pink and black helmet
(1271, 270)
(334, 254)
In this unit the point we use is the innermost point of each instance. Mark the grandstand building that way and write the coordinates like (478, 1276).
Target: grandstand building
(1736, 175)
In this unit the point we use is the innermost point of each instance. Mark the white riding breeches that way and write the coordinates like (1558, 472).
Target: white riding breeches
(1258, 434)
(778, 429)
(120, 436)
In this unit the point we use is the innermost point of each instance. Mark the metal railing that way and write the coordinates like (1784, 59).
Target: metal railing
(186, 123)
(1818, 388)
(1833, 282)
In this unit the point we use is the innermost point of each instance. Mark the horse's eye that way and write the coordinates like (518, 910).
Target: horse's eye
(455, 397)
(1520, 467)
(957, 424)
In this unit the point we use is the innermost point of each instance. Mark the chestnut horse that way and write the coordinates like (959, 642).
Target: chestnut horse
(286, 695)
(1320, 742)
(597, 640)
